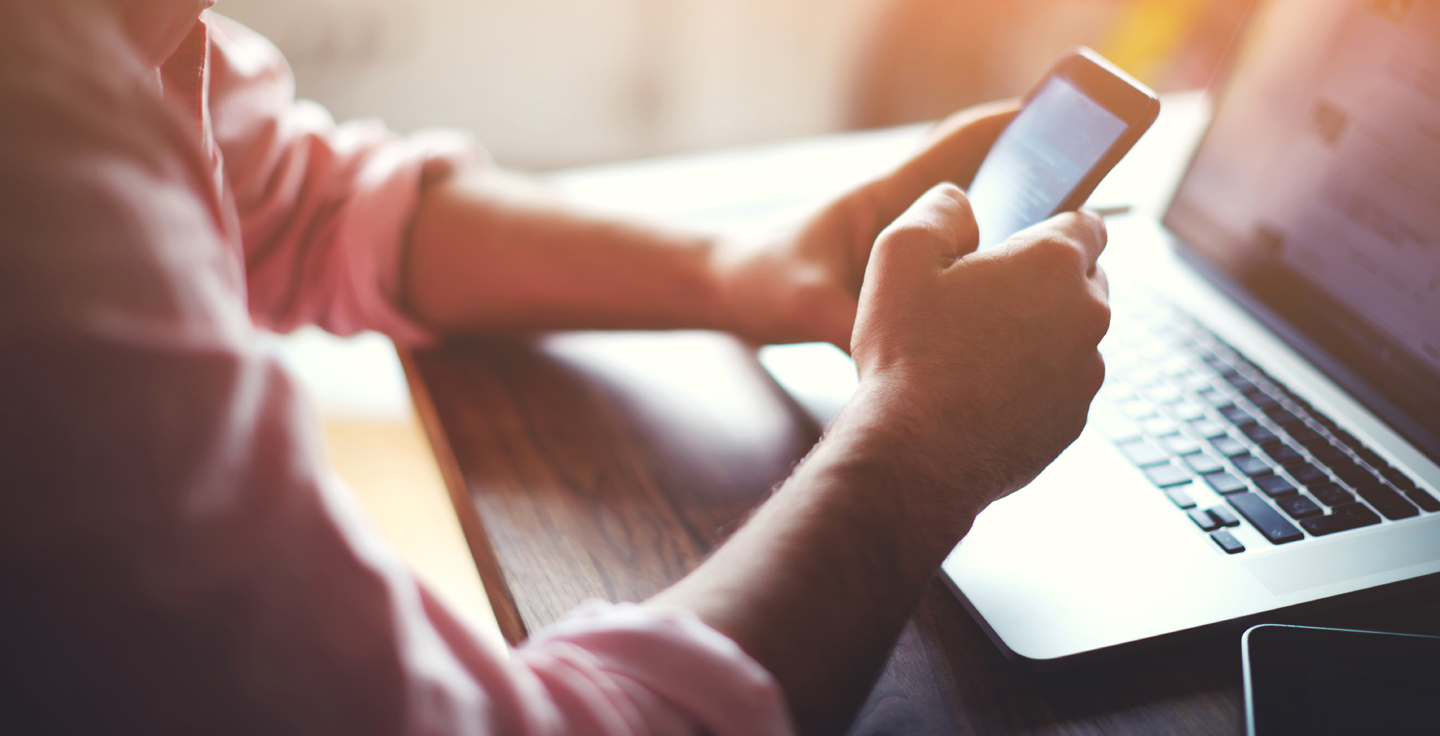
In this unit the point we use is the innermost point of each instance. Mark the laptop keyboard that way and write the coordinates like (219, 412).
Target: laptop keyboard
(1231, 446)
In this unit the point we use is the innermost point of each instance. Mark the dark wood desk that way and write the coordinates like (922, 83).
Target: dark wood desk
(607, 466)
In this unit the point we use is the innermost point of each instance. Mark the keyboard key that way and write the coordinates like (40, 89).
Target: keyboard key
(1225, 483)
(1196, 382)
(1228, 447)
(1179, 497)
(1159, 427)
(1306, 474)
(1143, 377)
(1227, 542)
(1396, 478)
(1180, 444)
(1215, 398)
(1251, 465)
(1167, 475)
(1185, 411)
(1298, 507)
(1207, 428)
(1202, 463)
(1282, 416)
(1267, 520)
(1423, 500)
(1259, 434)
(1262, 400)
(1350, 516)
(1222, 516)
(1203, 520)
(1274, 485)
(1328, 454)
(1345, 438)
(1220, 366)
(1331, 494)
(1137, 409)
(1175, 367)
(1143, 454)
(1162, 394)
(1369, 456)
(1241, 383)
(1386, 500)
(1237, 416)
(1282, 453)
(1353, 474)
(1111, 424)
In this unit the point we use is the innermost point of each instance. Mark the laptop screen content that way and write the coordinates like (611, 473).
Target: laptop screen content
(1317, 190)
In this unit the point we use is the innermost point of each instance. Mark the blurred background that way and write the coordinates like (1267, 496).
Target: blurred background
(548, 84)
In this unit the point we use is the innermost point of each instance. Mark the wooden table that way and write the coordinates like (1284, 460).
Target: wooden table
(608, 465)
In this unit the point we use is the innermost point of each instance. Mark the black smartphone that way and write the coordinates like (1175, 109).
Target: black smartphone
(1319, 682)
(1074, 127)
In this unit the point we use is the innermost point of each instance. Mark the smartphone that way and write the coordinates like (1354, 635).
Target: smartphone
(1319, 682)
(1074, 127)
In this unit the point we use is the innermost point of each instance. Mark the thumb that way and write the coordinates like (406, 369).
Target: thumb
(937, 230)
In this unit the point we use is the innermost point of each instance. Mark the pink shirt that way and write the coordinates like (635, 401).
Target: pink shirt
(175, 556)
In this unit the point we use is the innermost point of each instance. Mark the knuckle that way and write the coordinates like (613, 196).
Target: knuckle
(1084, 229)
(1091, 221)
(1059, 251)
(1096, 374)
(950, 203)
(953, 192)
(1100, 316)
(907, 235)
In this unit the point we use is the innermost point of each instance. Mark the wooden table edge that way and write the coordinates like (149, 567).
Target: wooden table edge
(502, 602)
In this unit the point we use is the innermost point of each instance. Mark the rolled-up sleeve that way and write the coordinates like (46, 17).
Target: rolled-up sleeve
(324, 209)
(175, 556)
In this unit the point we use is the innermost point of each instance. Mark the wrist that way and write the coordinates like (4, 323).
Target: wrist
(904, 473)
(734, 289)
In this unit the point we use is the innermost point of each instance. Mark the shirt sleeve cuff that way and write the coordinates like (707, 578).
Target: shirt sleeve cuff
(663, 657)
(376, 225)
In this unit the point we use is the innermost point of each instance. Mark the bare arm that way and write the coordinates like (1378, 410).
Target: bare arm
(492, 251)
(976, 370)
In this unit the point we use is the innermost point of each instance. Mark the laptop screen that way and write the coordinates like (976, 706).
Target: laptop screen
(1317, 191)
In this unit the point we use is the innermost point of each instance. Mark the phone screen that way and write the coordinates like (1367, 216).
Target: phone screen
(1039, 159)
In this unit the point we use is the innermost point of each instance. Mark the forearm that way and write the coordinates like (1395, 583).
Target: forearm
(491, 251)
(818, 585)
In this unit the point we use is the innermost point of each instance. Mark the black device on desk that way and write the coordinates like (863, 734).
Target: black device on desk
(1081, 119)
(1319, 682)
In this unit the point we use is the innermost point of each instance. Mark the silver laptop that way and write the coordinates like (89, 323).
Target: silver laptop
(1269, 433)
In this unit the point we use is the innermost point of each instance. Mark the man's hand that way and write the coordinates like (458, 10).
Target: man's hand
(803, 283)
(976, 370)
(980, 365)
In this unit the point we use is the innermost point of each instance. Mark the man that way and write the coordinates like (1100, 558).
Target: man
(175, 557)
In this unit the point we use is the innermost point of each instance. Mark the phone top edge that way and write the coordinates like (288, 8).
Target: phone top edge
(1095, 58)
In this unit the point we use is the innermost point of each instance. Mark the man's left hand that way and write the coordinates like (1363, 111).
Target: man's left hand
(802, 284)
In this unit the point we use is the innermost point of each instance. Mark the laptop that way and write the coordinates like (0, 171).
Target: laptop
(1268, 435)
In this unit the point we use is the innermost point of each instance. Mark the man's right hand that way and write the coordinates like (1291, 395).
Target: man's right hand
(977, 369)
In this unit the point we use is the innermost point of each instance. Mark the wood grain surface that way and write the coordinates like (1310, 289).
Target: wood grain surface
(593, 465)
